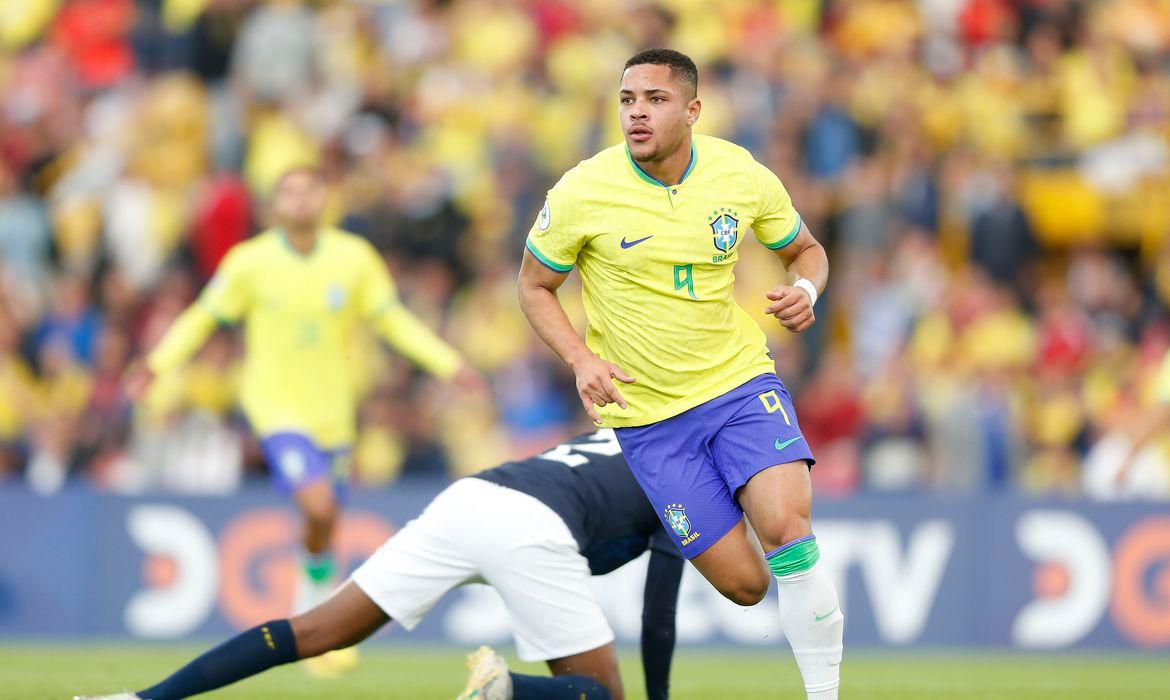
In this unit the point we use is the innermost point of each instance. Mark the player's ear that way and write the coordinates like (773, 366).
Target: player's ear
(693, 108)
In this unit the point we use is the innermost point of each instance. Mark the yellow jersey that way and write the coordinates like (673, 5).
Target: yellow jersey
(656, 265)
(299, 313)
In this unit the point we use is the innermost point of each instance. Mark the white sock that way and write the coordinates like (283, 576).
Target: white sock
(312, 591)
(811, 618)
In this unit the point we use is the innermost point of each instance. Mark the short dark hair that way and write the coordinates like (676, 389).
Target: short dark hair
(682, 68)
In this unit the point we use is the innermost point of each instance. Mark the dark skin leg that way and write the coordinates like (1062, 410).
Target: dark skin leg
(599, 664)
(347, 618)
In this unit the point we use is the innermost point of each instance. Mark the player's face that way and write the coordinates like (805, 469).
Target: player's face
(299, 201)
(657, 112)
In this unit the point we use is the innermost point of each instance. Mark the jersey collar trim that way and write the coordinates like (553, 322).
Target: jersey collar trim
(655, 181)
(288, 244)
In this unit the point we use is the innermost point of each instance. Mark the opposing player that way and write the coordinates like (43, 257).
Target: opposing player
(301, 290)
(654, 226)
(547, 522)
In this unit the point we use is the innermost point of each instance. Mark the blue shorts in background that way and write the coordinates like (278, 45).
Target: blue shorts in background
(691, 465)
(295, 462)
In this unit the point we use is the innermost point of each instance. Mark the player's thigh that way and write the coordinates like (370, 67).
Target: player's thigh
(424, 560)
(764, 459)
(296, 463)
(346, 618)
(778, 503)
(735, 566)
(600, 664)
(673, 465)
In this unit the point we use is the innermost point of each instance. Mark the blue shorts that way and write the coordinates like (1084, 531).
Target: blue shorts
(295, 462)
(691, 465)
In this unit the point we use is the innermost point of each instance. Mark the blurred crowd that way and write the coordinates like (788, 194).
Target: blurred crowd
(991, 179)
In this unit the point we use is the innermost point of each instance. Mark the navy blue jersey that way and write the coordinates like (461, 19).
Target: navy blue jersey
(587, 483)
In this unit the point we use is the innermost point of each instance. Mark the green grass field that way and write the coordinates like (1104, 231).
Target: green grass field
(388, 673)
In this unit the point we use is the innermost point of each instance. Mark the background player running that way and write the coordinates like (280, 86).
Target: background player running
(534, 530)
(654, 226)
(301, 290)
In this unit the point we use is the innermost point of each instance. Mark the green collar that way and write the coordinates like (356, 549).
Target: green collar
(292, 249)
(655, 181)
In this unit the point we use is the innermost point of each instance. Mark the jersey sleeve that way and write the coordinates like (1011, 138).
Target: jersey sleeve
(395, 324)
(377, 290)
(223, 301)
(557, 236)
(226, 296)
(777, 223)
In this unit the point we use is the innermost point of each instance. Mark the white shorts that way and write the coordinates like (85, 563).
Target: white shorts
(479, 532)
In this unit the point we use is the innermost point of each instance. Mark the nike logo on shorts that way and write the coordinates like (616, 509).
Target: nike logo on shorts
(631, 244)
(786, 443)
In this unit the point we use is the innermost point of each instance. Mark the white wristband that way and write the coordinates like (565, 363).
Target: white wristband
(808, 287)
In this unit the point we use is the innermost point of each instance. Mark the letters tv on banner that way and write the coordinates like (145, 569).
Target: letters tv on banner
(912, 571)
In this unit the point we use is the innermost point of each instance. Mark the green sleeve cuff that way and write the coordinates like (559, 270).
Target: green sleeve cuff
(788, 238)
(544, 259)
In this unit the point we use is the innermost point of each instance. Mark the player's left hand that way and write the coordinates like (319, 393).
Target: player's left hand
(792, 307)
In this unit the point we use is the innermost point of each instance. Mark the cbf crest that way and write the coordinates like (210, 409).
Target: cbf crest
(335, 297)
(676, 517)
(724, 224)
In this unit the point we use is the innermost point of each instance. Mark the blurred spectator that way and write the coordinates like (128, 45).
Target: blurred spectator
(988, 176)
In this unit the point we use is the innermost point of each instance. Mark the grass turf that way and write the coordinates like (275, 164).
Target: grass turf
(392, 673)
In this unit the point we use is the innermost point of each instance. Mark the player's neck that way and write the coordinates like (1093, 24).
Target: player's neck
(302, 240)
(670, 170)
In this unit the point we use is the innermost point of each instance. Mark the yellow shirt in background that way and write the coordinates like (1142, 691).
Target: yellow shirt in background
(300, 312)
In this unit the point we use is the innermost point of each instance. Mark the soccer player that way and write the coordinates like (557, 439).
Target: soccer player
(654, 227)
(301, 289)
(534, 530)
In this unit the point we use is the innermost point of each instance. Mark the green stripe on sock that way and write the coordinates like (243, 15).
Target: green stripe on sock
(792, 560)
(320, 568)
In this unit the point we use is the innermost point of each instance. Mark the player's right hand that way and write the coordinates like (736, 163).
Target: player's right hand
(595, 385)
(138, 381)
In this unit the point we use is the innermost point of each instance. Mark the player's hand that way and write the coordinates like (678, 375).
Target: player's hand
(792, 307)
(138, 381)
(595, 385)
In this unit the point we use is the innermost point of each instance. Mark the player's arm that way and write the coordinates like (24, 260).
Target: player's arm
(538, 286)
(779, 227)
(405, 332)
(659, 607)
(806, 260)
(222, 302)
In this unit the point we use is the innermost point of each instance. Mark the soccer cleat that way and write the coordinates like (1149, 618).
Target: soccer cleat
(119, 696)
(489, 676)
(332, 664)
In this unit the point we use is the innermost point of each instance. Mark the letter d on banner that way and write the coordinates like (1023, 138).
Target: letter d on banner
(182, 572)
(1067, 543)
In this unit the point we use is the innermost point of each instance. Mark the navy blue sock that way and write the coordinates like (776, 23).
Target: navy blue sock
(557, 688)
(258, 649)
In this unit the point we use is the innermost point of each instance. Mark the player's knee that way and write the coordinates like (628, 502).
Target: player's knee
(320, 515)
(746, 592)
(749, 586)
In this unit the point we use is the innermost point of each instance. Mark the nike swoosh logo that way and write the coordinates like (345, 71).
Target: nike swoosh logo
(631, 244)
(818, 618)
(786, 443)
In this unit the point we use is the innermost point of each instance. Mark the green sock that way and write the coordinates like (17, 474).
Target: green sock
(320, 567)
(794, 557)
